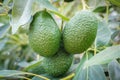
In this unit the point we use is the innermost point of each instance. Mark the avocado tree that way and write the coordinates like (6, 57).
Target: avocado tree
(59, 40)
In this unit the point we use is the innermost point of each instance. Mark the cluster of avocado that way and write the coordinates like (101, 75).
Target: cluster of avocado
(46, 38)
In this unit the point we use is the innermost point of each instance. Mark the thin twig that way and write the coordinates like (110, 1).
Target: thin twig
(68, 77)
(62, 25)
(107, 11)
(83, 4)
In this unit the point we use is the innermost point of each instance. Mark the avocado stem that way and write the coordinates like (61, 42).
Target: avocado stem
(83, 4)
(62, 25)
(68, 77)
(95, 48)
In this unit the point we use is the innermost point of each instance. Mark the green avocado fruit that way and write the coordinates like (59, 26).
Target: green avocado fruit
(80, 32)
(58, 64)
(44, 34)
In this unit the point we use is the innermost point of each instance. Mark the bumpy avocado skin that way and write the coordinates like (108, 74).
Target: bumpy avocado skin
(80, 32)
(44, 34)
(58, 64)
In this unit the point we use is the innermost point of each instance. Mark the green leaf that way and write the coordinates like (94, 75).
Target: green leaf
(36, 67)
(4, 74)
(115, 2)
(114, 34)
(72, 68)
(23, 64)
(33, 64)
(3, 11)
(21, 13)
(89, 73)
(96, 72)
(36, 78)
(100, 9)
(60, 15)
(12, 73)
(114, 70)
(3, 30)
(81, 74)
(82, 61)
(97, 3)
(48, 76)
(46, 4)
(17, 78)
(2, 43)
(79, 69)
(103, 34)
(104, 56)
(6, 2)
(41, 4)
(4, 19)
(8, 73)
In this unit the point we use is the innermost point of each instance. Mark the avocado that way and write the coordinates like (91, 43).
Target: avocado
(80, 32)
(44, 34)
(58, 64)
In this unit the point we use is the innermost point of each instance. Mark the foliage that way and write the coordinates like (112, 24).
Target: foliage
(17, 57)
